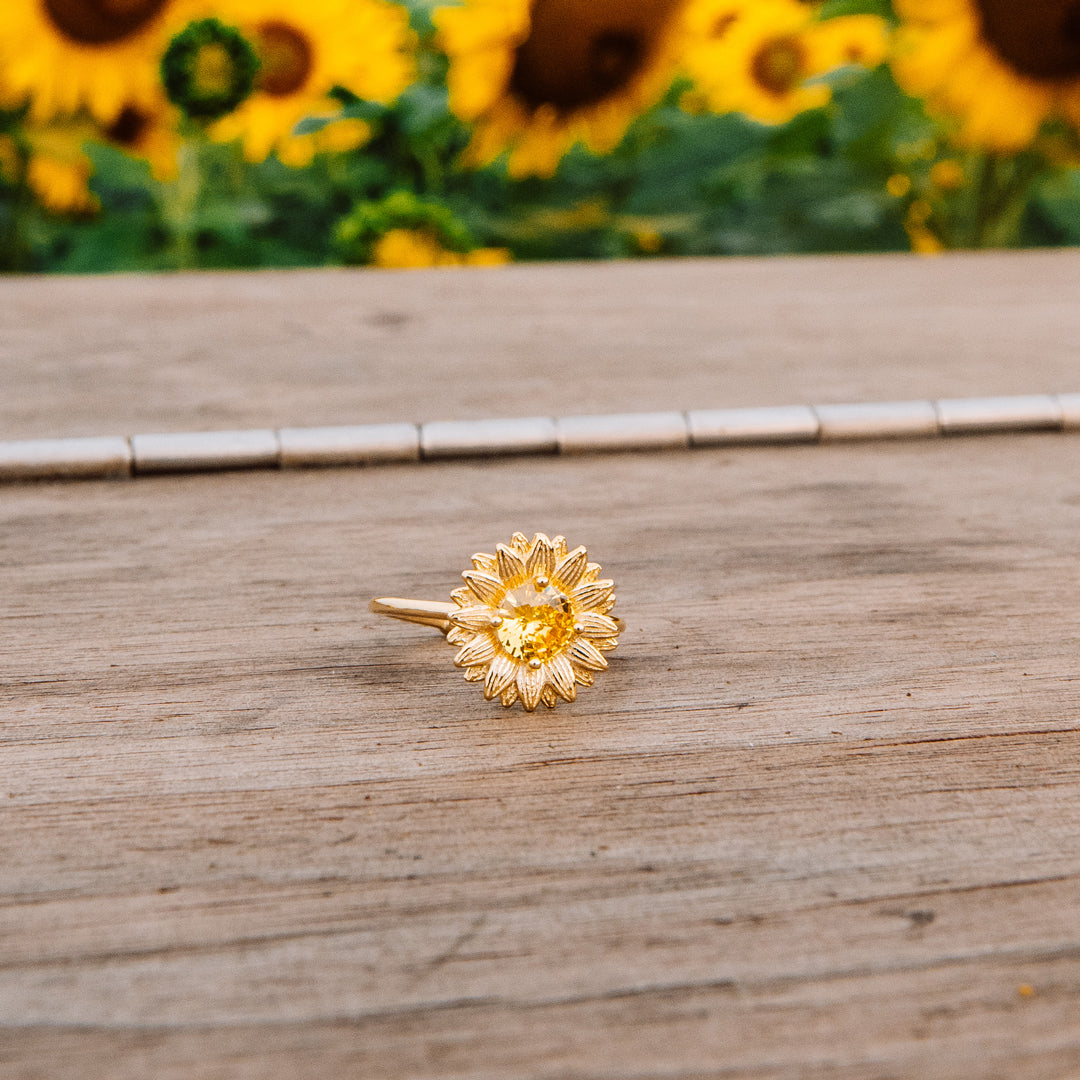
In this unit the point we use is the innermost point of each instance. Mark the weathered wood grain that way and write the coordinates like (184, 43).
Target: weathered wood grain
(820, 820)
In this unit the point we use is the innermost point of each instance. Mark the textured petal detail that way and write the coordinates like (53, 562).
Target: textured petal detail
(605, 644)
(549, 697)
(510, 566)
(560, 676)
(473, 618)
(584, 678)
(594, 596)
(568, 572)
(592, 572)
(594, 625)
(463, 597)
(499, 676)
(520, 543)
(585, 653)
(486, 587)
(530, 684)
(458, 635)
(479, 651)
(475, 674)
(482, 561)
(541, 558)
(558, 545)
(509, 695)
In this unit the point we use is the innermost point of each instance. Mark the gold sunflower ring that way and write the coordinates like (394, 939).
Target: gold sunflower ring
(532, 622)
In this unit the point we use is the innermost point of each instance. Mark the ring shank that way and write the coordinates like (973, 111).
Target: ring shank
(434, 613)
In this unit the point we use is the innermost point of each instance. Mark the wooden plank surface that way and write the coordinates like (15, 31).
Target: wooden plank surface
(819, 820)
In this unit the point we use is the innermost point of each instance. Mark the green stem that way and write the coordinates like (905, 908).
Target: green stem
(180, 201)
(1001, 198)
(16, 255)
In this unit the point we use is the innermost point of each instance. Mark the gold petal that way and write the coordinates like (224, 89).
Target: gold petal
(463, 597)
(595, 596)
(593, 625)
(520, 543)
(587, 655)
(479, 651)
(487, 587)
(541, 559)
(509, 695)
(483, 561)
(558, 545)
(475, 674)
(568, 572)
(549, 697)
(510, 565)
(457, 635)
(560, 677)
(584, 678)
(499, 676)
(530, 683)
(475, 618)
(605, 644)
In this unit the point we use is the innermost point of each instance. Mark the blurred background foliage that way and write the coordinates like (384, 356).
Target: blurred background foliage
(166, 134)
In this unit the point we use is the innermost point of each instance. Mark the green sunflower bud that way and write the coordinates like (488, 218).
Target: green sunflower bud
(209, 70)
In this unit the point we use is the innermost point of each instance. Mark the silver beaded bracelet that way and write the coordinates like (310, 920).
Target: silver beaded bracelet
(373, 444)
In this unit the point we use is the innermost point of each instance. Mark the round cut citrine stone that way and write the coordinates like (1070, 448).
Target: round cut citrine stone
(537, 624)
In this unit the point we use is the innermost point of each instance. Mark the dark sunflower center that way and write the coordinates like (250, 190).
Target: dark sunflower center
(579, 54)
(1037, 38)
(286, 57)
(100, 22)
(778, 65)
(129, 127)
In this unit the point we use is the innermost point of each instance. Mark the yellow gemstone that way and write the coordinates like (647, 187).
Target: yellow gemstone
(537, 624)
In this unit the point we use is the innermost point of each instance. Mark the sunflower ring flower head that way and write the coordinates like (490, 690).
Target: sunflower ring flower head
(533, 621)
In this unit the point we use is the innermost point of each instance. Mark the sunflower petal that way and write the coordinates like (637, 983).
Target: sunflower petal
(499, 676)
(463, 597)
(479, 651)
(486, 587)
(458, 635)
(558, 545)
(568, 572)
(560, 676)
(549, 697)
(475, 674)
(594, 625)
(588, 655)
(475, 618)
(584, 678)
(510, 565)
(541, 559)
(482, 561)
(596, 595)
(530, 683)
(520, 543)
(509, 695)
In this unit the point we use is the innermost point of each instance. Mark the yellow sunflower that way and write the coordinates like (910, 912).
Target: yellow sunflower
(419, 249)
(1000, 66)
(538, 76)
(765, 59)
(306, 49)
(533, 623)
(101, 55)
(57, 169)
(150, 133)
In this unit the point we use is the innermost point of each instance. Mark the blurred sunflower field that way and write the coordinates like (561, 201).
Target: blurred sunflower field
(165, 134)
